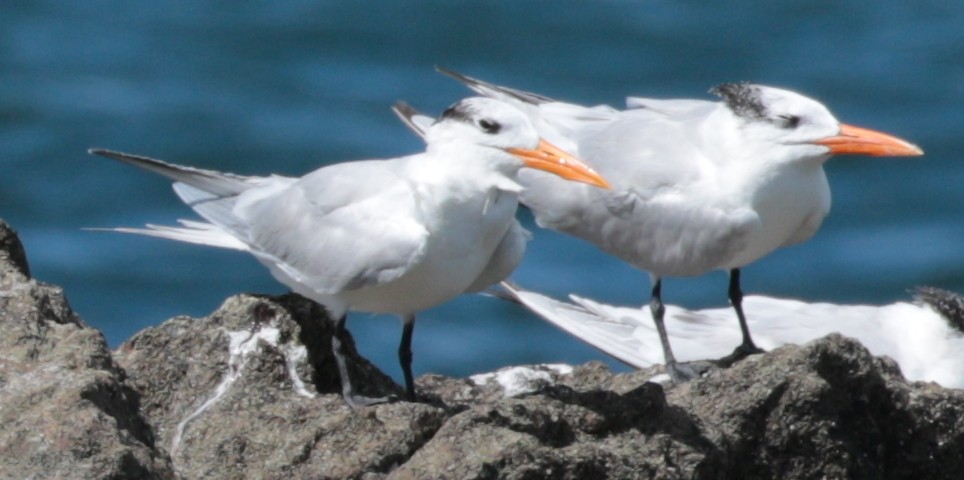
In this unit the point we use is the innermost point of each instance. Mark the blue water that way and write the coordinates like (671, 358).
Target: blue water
(289, 86)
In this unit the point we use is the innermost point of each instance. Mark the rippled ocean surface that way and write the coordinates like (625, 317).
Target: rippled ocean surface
(287, 87)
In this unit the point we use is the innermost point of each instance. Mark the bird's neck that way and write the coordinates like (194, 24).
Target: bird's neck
(468, 168)
(460, 184)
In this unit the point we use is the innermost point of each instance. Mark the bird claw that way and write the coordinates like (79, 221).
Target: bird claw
(356, 401)
(684, 372)
(739, 353)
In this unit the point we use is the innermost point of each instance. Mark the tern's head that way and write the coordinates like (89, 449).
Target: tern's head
(506, 134)
(795, 127)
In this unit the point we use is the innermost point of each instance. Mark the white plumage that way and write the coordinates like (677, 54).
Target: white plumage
(386, 236)
(696, 185)
(925, 336)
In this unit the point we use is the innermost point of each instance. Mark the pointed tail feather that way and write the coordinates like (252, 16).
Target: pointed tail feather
(198, 233)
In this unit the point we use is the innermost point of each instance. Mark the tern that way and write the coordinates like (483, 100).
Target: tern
(925, 337)
(697, 185)
(382, 236)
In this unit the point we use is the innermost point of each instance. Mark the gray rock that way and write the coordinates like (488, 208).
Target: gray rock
(13, 259)
(235, 395)
(65, 407)
(827, 409)
(587, 423)
(949, 304)
(251, 391)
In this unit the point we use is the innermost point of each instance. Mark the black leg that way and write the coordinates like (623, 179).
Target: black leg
(736, 299)
(405, 355)
(677, 372)
(351, 398)
(658, 310)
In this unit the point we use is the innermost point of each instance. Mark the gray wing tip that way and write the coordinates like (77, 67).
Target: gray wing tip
(403, 109)
(481, 87)
(114, 154)
(472, 83)
(406, 113)
(504, 290)
(101, 151)
(456, 75)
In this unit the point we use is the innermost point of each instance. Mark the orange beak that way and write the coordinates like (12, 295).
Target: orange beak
(862, 141)
(549, 158)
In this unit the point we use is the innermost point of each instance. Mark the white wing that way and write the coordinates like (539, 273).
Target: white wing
(328, 231)
(332, 232)
(661, 214)
(922, 341)
(506, 258)
(610, 335)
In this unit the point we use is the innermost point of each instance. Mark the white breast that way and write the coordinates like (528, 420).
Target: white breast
(465, 231)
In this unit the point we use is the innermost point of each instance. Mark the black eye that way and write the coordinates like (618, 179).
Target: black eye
(789, 121)
(489, 126)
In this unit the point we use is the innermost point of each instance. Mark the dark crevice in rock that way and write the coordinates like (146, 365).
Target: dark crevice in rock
(316, 329)
(12, 253)
(123, 404)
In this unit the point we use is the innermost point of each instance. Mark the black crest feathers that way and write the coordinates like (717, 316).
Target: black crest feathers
(459, 111)
(742, 98)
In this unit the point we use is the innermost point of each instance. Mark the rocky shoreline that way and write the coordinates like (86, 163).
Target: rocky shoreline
(250, 391)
